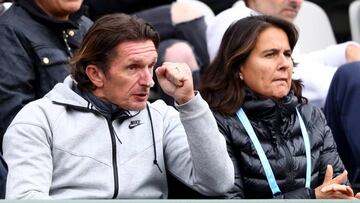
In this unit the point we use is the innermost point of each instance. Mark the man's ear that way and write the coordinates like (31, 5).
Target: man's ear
(96, 75)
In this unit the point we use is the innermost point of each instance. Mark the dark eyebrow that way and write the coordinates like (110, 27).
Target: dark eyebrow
(275, 50)
(137, 62)
(270, 50)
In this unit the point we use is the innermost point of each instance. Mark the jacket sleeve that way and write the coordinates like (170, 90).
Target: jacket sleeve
(328, 154)
(333, 55)
(195, 150)
(17, 76)
(301, 193)
(30, 165)
(236, 191)
(3, 175)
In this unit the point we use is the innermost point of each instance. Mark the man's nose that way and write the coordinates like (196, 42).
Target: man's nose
(146, 77)
(296, 3)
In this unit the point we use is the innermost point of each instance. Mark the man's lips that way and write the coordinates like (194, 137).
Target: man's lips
(142, 96)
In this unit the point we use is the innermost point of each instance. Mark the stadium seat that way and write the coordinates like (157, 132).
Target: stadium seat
(314, 27)
(354, 17)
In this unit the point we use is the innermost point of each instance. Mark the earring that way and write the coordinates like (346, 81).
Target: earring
(241, 77)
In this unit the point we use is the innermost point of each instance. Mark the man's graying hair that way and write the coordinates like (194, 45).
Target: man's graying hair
(98, 46)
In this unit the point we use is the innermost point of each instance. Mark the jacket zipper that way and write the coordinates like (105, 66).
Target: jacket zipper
(288, 155)
(289, 160)
(114, 160)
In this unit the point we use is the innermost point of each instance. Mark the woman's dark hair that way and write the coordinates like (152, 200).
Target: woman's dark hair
(221, 86)
(98, 46)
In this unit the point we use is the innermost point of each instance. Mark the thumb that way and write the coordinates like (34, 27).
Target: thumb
(160, 73)
(328, 174)
(340, 179)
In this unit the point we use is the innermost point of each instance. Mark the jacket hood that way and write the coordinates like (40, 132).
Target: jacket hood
(277, 115)
(258, 108)
(65, 94)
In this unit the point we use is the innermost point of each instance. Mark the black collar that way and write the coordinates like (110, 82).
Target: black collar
(257, 108)
(109, 110)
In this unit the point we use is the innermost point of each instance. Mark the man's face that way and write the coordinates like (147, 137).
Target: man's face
(285, 9)
(59, 9)
(129, 78)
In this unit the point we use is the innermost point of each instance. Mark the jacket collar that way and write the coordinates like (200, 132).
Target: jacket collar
(257, 108)
(68, 95)
(107, 109)
(31, 7)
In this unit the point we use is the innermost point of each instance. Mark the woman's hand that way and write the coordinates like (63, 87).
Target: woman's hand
(332, 188)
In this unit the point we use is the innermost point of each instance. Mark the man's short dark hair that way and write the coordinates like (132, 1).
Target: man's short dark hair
(98, 46)
(246, 2)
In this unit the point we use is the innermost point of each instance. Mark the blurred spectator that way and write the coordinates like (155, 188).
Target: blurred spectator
(2, 8)
(98, 8)
(343, 113)
(4, 5)
(310, 65)
(37, 39)
(219, 5)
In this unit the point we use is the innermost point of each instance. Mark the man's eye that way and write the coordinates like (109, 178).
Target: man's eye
(132, 67)
(268, 55)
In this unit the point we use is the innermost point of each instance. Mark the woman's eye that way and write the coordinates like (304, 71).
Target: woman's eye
(287, 55)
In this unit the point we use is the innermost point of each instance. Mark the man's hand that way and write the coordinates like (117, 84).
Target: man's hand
(176, 80)
(352, 53)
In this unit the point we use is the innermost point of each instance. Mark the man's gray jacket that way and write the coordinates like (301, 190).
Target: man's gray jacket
(61, 147)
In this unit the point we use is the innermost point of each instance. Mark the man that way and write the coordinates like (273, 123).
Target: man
(181, 27)
(342, 114)
(310, 65)
(37, 38)
(95, 136)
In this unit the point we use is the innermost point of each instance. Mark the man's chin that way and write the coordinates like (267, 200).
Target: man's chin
(138, 106)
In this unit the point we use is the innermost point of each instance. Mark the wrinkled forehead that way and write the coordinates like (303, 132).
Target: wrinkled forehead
(272, 38)
(137, 52)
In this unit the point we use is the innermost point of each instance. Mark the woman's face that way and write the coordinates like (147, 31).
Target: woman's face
(268, 69)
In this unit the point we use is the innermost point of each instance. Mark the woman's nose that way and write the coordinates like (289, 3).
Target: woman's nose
(285, 62)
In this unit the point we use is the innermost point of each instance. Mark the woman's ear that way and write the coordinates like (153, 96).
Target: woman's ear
(96, 75)
(240, 74)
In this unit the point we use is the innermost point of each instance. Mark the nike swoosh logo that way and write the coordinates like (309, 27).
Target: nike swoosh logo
(134, 124)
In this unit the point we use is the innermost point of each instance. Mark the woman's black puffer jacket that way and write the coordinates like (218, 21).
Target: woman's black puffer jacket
(277, 127)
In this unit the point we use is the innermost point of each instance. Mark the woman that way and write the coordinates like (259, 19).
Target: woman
(280, 145)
